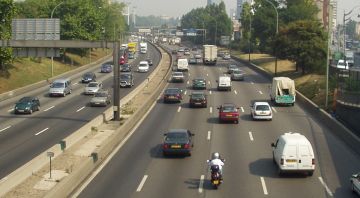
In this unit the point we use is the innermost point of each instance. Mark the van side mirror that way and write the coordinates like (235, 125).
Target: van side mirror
(272, 144)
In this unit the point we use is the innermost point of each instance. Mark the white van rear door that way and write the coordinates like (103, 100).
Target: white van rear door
(305, 157)
(291, 158)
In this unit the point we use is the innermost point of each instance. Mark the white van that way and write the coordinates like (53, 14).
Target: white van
(224, 83)
(182, 64)
(293, 152)
(60, 87)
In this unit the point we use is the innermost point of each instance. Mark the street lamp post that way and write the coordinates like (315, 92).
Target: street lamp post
(215, 31)
(277, 31)
(52, 58)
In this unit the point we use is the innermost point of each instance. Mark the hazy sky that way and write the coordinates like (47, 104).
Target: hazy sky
(176, 8)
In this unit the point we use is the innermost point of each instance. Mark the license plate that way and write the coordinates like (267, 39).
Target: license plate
(216, 181)
(175, 146)
(228, 115)
(172, 97)
(291, 160)
(20, 110)
(97, 102)
(198, 103)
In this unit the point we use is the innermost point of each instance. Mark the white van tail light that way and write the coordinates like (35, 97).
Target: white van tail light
(282, 161)
(313, 161)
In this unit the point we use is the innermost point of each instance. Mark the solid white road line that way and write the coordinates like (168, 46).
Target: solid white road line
(107, 160)
(260, 92)
(142, 183)
(185, 92)
(273, 108)
(210, 109)
(209, 135)
(263, 185)
(1, 130)
(325, 186)
(42, 131)
(80, 109)
(10, 110)
(201, 183)
(179, 109)
(49, 108)
(242, 109)
(235, 92)
(251, 136)
(210, 92)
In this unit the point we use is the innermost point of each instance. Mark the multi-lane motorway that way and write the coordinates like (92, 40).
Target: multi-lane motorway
(22, 137)
(139, 169)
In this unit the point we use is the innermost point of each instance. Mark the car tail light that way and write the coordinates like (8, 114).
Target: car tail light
(165, 146)
(186, 146)
(282, 161)
(313, 161)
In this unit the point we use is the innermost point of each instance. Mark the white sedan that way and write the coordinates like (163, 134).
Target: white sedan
(261, 111)
(92, 88)
(355, 183)
(143, 66)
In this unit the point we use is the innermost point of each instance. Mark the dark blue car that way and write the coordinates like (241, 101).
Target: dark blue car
(106, 68)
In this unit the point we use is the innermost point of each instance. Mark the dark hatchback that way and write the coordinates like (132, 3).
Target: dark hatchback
(125, 68)
(199, 83)
(178, 141)
(27, 105)
(198, 99)
(88, 77)
(172, 95)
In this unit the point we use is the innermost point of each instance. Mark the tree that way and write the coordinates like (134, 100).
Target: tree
(7, 12)
(305, 43)
(295, 10)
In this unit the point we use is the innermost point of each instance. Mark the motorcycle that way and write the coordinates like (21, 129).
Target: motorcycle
(216, 177)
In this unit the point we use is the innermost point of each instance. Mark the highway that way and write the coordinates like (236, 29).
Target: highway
(22, 137)
(139, 169)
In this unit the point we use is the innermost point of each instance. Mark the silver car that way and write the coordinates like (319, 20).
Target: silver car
(237, 74)
(101, 98)
(92, 88)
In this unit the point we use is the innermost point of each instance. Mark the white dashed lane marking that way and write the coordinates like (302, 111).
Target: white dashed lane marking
(210, 92)
(263, 185)
(201, 183)
(252, 82)
(207, 74)
(1, 130)
(187, 82)
(42, 131)
(210, 109)
(80, 109)
(185, 92)
(260, 92)
(10, 110)
(49, 108)
(142, 183)
(273, 108)
(251, 136)
(209, 82)
(235, 92)
(76, 83)
(242, 109)
(209, 135)
(179, 109)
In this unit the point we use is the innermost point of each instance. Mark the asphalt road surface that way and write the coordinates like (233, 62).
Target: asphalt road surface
(139, 169)
(22, 137)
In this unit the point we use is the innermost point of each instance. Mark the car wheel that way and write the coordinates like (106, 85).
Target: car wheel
(292, 104)
(236, 121)
(205, 106)
(274, 159)
(38, 108)
(64, 94)
(352, 187)
(280, 173)
(165, 154)
(31, 111)
(310, 173)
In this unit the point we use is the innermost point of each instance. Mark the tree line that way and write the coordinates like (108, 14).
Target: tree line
(79, 20)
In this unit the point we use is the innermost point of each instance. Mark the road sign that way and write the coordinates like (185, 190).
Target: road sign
(35, 29)
(225, 40)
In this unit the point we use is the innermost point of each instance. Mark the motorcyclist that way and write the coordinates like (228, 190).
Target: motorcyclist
(216, 161)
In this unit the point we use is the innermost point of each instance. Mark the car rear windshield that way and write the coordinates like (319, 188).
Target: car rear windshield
(143, 65)
(177, 74)
(262, 108)
(100, 94)
(172, 91)
(57, 85)
(237, 72)
(197, 96)
(125, 76)
(229, 109)
(92, 85)
(176, 136)
(27, 99)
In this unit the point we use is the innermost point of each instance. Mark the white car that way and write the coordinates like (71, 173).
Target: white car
(226, 56)
(355, 183)
(143, 66)
(342, 64)
(92, 88)
(261, 111)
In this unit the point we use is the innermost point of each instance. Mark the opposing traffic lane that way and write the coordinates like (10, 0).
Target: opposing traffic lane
(30, 135)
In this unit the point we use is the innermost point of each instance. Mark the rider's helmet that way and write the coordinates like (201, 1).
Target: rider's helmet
(215, 155)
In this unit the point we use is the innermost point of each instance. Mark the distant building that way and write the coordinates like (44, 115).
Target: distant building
(239, 7)
(334, 7)
(326, 12)
(213, 1)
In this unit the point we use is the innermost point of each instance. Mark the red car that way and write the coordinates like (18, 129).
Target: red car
(228, 112)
